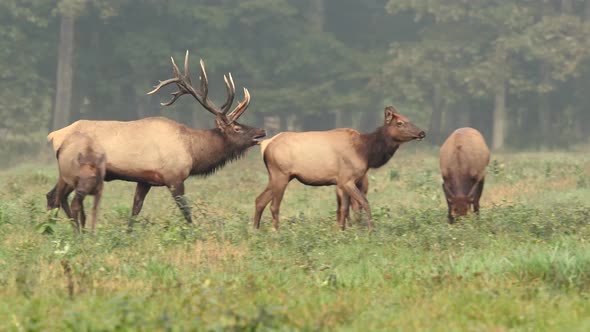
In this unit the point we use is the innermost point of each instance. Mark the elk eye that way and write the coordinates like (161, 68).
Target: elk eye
(399, 123)
(238, 129)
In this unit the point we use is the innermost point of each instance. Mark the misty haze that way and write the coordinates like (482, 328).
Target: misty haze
(480, 220)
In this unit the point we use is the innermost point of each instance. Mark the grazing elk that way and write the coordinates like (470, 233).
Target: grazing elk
(82, 167)
(338, 157)
(463, 160)
(157, 151)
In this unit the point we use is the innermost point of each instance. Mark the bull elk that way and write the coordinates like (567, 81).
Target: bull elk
(339, 157)
(463, 160)
(157, 151)
(82, 167)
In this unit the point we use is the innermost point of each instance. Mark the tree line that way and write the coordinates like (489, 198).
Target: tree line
(518, 70)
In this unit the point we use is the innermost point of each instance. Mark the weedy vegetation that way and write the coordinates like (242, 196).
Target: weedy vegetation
(524, 264)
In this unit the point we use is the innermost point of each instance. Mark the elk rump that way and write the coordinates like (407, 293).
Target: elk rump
(464, 157)
(82, 168)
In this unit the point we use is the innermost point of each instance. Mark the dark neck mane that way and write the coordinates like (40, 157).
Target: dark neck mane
(377, 147)
(211, 150)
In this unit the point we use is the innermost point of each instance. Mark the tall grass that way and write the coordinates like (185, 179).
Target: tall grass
(524, 264)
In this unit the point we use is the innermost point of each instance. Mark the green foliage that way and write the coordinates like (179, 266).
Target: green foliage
(452, 54)
(47, 227)
(24, 92)
(466, 50)
(523, 263)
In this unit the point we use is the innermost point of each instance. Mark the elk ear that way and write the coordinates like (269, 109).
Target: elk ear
(447, 191)
(389, 114)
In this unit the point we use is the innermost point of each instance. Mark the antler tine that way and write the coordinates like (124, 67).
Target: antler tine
(176, 79)
(187, 76)
(231, 93)
(204, 80)
(175, 95)
(175, 68)
(161, 84)
(241, 108)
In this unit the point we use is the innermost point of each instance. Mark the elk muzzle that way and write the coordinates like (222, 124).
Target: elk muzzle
(261, 133)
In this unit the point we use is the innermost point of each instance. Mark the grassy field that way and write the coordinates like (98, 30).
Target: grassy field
(524, 264)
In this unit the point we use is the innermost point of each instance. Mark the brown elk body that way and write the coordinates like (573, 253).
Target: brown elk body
(158, 151)
(339, 157)
(82, 167)
(464, 157)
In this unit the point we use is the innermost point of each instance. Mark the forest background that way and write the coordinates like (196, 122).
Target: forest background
(518, 70)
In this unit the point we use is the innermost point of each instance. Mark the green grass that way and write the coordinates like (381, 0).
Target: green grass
(524, 264)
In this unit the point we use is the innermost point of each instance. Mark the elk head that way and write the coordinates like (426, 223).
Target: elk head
(399, 128)
(91, 171)
(239, 135)
(460, 203)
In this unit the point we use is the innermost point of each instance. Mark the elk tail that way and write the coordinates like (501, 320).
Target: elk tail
(50, 136)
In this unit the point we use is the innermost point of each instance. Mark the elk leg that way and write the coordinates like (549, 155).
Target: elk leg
(363, 186)
(343, 206)
(97, 197)
(339, 203)
(447, 199)
(177, 191)
(82, 215)
(61, 198)
(77, 202)
(261, 202)
(141, 190)
(51, 197)
(478, 193)
(357, 195)
(278, 189)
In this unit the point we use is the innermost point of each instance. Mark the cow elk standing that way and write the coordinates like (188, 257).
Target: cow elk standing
(339, 157)
(463, 160)
(82, 167)
(157, 151)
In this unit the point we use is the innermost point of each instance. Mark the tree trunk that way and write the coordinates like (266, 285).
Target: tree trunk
(434, 128)
(567, 6)
(292, 122)
(499, 129)
(544, 105)
(272, 125)
(342, 119)
(65, 62)
(370, 119)
(316, 15)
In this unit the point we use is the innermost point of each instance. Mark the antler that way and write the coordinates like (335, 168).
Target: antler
(231, 93)
(241, 108)
(184, 84)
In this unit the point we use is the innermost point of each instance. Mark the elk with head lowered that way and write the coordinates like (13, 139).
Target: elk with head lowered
(82, 166)
(464, 157)
(157, 151)
(338, 157)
